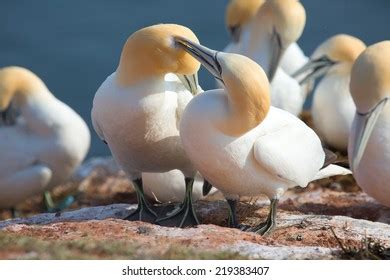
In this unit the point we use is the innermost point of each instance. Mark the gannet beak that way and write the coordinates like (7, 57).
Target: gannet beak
(276, 54)
(190, 82)
(206, 56)
(314, 68)
(235, 33)
(364, 124)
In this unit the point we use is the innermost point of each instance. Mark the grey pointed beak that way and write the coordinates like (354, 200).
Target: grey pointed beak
(314, 69)
(277, 51)
(206, 56)
(235, 33)
(364, 125)
(190, 82)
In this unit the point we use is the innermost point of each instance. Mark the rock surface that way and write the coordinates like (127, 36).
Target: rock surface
(313, 223)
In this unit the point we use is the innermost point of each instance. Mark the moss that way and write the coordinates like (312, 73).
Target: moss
(24, 247)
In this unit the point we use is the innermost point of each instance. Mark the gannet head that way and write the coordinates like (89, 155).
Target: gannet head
(152, 51)
(245, 81)
(370, 90)
(338, 52)
(16, 83)
(238, 14)
(282, 21)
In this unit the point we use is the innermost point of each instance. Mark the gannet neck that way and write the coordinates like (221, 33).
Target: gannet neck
(239, 13)
(151, 52)
(18, 85)
(247, 87)
(370, 77)
(285, 17)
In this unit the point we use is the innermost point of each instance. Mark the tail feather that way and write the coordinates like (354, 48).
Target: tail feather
(331, 170)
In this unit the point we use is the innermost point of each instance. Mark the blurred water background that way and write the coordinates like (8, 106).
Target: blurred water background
(73, 45)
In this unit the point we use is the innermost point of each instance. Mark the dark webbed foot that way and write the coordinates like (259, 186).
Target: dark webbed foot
(52, 207)
(270, 223)
(144, 211)
(185, 216)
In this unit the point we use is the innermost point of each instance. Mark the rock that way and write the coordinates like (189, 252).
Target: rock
(297, 236)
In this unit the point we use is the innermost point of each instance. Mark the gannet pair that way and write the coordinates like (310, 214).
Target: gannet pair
(333, 109)
(137, 111)
(267, 31)
(240, 143)
(42, 147)
(369, 141)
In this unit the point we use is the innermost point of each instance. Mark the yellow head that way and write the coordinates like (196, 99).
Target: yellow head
(246, 84)
(248, 88)
(239, 13)
(340, 48)
(151, 51)
(285, 17)
(16, 83)
(370, 77)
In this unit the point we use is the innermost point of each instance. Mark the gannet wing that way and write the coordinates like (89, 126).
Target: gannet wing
(18, 149)
(292, 153)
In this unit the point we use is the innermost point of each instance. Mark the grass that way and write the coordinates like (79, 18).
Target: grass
(368, 249)
(22, 247)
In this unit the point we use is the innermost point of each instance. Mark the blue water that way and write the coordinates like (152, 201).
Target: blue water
(74, 45)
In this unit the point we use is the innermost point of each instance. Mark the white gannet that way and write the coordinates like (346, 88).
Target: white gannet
(369, 141)
(169, 186)
(238, 14)
(265, 39)
(240, 143)
(137, 111)
(44, 145)
(333, 108)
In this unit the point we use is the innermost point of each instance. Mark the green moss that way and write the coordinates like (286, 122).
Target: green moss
(23, 247)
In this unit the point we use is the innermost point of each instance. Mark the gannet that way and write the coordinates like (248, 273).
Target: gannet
(241, 144)
(369, 141)
(333, 109)
(43, 146)
(137, 111)
(276, 25)
(238, 15)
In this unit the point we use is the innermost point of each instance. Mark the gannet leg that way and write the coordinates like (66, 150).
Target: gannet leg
(144, 211)
(270, 223)
(52, 207)
(232, 218)
(185, 216)
(14, 213)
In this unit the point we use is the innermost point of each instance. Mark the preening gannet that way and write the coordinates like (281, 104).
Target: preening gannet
(42, 147)
(238, 15)
(265, 39)
(369, 141)
(333, 108)
(137, 111)
(242, 144)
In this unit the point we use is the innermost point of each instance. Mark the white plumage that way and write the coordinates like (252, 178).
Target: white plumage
(43, 148)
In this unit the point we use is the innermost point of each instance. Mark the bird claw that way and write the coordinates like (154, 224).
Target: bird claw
(185, 216)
